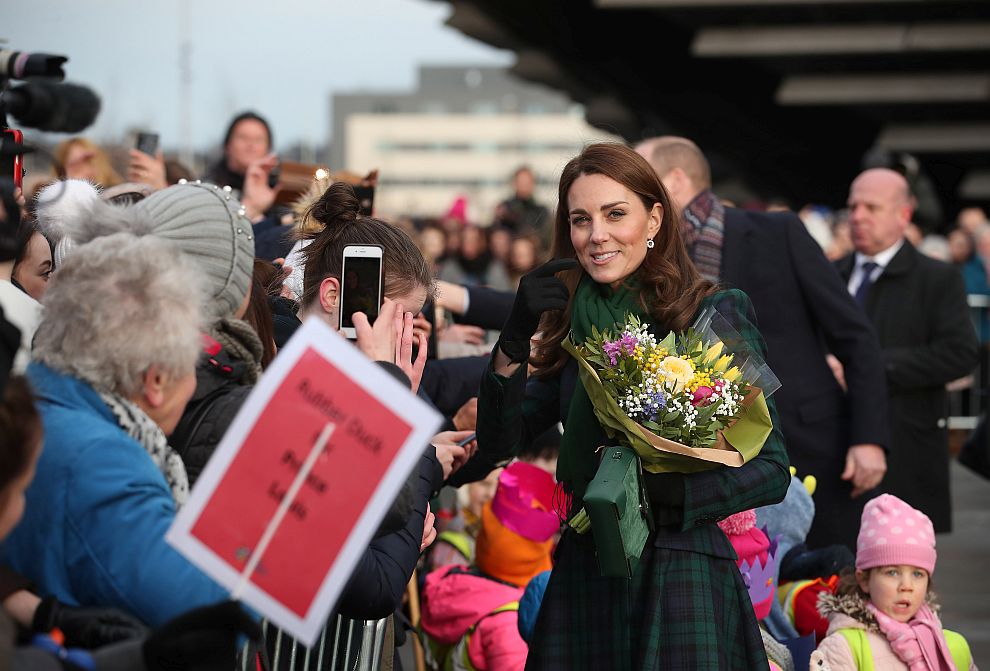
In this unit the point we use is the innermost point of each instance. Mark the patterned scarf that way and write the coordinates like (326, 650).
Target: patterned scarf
(703, 227)
(136, 424)
(241, 342)
(919, 643)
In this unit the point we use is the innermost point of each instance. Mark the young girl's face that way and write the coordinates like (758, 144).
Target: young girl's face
(897, 591)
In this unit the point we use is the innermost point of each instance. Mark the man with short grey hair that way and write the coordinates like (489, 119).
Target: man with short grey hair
(918, 307)
(836, 434)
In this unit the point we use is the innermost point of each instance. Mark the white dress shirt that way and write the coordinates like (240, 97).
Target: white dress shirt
(881, 259)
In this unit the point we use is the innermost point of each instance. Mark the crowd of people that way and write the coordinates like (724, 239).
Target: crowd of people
(139, 312)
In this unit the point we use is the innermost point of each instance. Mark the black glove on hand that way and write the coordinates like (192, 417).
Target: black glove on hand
(87, 628)
(539, 291)
(205, 638)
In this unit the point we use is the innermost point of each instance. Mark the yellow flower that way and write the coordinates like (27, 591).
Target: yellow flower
(732, 374)
(723, 363)
(676, 372)
(712, 354)
(699, 379)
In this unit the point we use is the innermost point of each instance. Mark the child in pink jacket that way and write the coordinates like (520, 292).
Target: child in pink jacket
(470, 613)
(883, 617)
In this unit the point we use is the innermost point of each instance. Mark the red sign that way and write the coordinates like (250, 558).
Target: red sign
(378, 430)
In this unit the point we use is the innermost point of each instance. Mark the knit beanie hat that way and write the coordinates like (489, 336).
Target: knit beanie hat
(209, 224)
(517, 526)
(892, 533)
(757, 558)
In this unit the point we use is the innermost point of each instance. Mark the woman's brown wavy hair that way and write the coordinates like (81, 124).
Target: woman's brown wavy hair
(671, 288)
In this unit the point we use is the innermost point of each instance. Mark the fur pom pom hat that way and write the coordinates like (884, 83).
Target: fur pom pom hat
(58, 207)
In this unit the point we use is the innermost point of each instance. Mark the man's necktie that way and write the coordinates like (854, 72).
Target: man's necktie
(866, 282)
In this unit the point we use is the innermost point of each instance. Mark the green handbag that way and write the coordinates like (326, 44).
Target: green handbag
(619, 511)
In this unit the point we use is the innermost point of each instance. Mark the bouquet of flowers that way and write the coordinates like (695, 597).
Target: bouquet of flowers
(684, 403)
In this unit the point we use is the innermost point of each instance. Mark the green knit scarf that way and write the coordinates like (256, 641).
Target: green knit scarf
(597, 305)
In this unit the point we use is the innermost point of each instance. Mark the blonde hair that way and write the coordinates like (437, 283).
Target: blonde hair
(105, 174)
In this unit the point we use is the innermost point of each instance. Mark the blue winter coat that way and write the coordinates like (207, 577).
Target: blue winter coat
(93, 531)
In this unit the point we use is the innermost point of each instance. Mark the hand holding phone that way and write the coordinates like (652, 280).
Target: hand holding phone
(145, 166)
(451, 450)
(147, 143)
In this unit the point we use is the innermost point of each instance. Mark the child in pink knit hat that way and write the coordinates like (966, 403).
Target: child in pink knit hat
(883, 616)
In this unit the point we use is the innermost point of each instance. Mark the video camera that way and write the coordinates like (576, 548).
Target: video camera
(43, 102)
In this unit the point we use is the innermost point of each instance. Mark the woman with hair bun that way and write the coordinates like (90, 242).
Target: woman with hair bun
(377, 585)
(406, 277)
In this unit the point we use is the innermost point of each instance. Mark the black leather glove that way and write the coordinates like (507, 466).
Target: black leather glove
(87, 628)
(205, 638)
(539, 290)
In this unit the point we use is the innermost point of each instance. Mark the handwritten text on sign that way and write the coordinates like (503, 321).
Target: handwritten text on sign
(314, 393)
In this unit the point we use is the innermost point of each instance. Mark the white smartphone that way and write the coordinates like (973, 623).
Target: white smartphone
(360, 285)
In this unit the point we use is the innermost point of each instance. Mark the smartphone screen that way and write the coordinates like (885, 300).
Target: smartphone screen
(360, 285)
(147, 143)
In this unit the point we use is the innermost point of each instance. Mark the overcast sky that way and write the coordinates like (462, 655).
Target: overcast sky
(282, 59)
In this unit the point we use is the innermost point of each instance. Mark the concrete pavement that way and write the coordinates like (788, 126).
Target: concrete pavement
(962, 571)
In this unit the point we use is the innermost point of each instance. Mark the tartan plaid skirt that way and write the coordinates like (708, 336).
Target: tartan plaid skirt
(680, 610)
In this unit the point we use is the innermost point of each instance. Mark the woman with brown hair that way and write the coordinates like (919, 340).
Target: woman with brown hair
(406, 278)
(618, 250)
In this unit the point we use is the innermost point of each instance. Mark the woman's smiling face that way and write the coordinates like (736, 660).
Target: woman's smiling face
(609, 227)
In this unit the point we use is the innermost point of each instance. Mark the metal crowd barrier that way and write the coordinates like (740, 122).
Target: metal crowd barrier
(343, 645)
(968, 398)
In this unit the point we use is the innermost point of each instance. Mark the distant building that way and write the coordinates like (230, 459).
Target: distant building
(462, 132)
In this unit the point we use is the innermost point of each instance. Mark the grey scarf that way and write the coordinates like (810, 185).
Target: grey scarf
(136, 424)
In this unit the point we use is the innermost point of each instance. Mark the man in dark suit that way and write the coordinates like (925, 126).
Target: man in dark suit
(918, 308)
(804, 312)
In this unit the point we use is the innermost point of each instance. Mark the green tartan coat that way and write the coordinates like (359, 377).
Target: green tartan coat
(686, 606)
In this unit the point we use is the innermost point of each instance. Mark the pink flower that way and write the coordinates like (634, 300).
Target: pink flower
(701, 395)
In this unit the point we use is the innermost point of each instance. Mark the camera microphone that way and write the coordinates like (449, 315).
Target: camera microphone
(48, 106)
(21, 64)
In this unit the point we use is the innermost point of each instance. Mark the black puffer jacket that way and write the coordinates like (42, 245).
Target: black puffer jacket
(221, 388)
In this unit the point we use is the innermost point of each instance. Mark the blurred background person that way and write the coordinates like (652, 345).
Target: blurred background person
(79, 158)
(524, 255)
(247, 165)
(521, 213)
(432, 241)
(499, 241)
(472, 264)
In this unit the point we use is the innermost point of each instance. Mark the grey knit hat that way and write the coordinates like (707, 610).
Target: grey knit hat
(209, 224)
